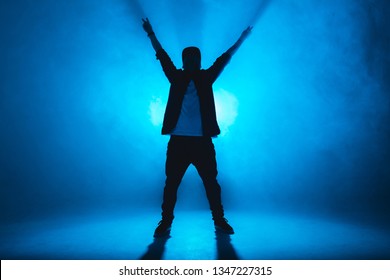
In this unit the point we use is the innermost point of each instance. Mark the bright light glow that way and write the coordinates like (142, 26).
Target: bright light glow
(226, 105)
(156, 110)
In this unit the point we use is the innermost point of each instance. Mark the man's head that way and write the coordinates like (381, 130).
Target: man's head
(191, 58)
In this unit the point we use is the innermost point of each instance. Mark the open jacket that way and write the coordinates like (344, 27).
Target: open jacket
(203, 80)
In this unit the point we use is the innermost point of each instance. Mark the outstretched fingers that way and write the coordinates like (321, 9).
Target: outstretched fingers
(146, 25)
(248, 30)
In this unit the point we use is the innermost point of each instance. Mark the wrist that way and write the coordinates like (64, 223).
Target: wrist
(150, 33)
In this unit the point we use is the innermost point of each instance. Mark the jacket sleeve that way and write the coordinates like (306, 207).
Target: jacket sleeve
(167, 65)
(218, 66)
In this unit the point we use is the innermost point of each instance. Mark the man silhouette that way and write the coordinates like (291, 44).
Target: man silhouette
(190, 120)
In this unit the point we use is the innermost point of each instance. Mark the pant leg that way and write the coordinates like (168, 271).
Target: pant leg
(205, 162)
(176, 165)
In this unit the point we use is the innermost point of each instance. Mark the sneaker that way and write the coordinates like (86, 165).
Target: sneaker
(163, 228)
(222, 225)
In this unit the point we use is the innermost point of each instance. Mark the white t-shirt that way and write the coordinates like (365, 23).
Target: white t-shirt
(190, 120)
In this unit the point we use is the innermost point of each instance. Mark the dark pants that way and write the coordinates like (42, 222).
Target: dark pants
(183, 151)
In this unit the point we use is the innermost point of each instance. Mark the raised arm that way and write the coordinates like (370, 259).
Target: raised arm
(221, 62)
(152, 36)
(240, 40)
(168, 67)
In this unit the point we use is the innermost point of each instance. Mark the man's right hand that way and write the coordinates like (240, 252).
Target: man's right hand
(149, 30)
(147, 26)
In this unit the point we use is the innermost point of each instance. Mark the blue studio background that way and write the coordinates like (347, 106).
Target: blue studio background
(304, 107)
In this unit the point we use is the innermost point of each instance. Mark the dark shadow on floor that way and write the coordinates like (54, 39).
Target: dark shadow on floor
(225, 249)
(156, 249)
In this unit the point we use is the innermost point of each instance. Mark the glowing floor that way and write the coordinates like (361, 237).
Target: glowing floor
(193, 237)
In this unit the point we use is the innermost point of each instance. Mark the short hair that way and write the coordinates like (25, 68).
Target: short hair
(190, 52)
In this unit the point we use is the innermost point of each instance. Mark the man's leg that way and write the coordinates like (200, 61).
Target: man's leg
(206, 164)
(175, 167)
